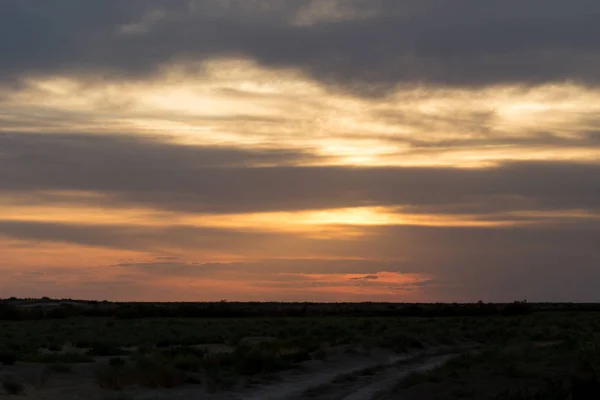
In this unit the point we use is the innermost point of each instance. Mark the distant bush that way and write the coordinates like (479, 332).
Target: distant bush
(517, 308)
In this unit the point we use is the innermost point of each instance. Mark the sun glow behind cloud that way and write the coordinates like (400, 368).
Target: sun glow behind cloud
(320, 223)
(236, 102)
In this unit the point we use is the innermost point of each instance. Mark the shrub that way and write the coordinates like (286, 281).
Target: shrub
(113, 378)
(13, 387)
(413, 379)
(60, 367)
(220, 382)
(148, 372)
(256, 361)
(39, 378)
(517, 308)
(116, 362)
(320, 354)
(54, 347)
(103, 349)
(118, 396)
(69, 358)
(298, 356)
(188, 362)
(8, 358)
(153, 373)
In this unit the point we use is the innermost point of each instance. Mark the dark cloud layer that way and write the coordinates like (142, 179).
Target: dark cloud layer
(172, 177)
(456, 42)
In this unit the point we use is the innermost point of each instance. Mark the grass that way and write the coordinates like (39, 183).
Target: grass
(524, 371)
(62, 358)
(147, 371)
(164, 358)
(311, 333)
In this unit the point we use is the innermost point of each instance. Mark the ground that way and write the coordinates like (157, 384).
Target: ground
(351, 358)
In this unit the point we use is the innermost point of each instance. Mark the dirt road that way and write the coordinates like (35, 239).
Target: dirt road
(360, 381)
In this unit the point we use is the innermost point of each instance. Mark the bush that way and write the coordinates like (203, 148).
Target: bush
(60, 367)
(320, 354)
(40, 377)
(8, 358)
(113, 378)
(188, 362)
(517, 308)
(148, 372)
(257, 360)
(103, 349)
(119, 396)
(297, 357)
(69, 358)
(12, 387)
(116, 362)
(155, 373)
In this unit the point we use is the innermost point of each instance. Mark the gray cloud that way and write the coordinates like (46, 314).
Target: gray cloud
(365, 278)
(142, 171)
(269, 266)
(426, 282)
(132, 237)
(455, 42)
(113, 154)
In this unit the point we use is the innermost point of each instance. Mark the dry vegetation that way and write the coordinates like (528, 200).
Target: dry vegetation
(523, 356)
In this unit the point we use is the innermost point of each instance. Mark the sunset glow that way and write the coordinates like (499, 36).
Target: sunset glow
(396, 172)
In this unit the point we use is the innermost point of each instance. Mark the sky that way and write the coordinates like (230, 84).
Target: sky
(300, 150)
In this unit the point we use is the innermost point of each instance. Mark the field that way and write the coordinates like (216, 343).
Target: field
(510, 355)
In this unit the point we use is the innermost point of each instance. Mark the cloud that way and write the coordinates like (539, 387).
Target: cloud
(446, 42)
(365, 278)
(130, 171)
(32, 273)
(272, 266)
(143, 238)
(425, 282)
